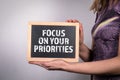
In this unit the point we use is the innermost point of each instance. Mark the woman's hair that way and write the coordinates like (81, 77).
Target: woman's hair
(99, 5)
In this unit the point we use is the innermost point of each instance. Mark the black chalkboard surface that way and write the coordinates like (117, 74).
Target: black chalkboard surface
(53, 40)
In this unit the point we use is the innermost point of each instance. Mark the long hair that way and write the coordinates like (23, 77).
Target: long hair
(99, 5)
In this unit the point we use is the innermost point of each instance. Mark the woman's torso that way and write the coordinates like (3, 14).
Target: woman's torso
(106, 37)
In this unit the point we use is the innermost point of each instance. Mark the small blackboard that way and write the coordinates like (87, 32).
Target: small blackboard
(53, 40)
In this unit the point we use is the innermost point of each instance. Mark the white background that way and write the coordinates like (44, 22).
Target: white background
(14, 18)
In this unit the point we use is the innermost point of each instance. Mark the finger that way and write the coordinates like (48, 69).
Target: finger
(75, 21)
(70, 20)
(36, 62)
(67, 21)
(40, 63)
(53, 68)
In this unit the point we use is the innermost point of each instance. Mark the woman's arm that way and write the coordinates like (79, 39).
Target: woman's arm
(107, 67)
(84, 53)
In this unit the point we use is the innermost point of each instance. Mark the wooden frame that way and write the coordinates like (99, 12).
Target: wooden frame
(55, 24)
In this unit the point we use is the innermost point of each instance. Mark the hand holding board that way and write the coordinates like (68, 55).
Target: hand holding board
(53, 40)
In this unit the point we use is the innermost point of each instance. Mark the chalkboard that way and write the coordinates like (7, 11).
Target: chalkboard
(53, 40)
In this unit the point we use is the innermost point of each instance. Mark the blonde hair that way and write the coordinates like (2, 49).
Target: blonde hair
(99, 5)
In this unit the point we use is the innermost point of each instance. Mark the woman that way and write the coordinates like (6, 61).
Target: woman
(103, 60)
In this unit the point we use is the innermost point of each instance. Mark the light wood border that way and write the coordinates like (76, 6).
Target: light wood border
(76, 59)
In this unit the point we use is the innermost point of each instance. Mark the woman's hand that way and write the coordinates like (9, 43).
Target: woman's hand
(51, 65)
(84, 51)
(81, 37)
